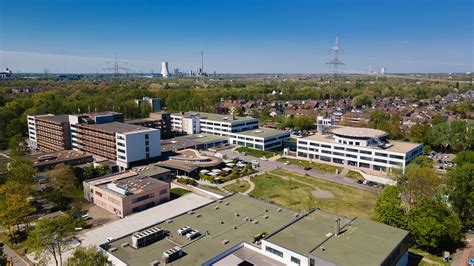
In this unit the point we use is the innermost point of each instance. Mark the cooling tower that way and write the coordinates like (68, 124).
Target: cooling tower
(165, 72)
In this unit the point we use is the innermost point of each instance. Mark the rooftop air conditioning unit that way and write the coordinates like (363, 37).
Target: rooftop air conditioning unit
(172, 254)
(147, 237)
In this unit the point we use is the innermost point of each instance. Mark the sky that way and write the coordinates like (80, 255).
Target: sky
(237, 36)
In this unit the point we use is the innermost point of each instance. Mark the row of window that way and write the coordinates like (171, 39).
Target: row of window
(393, 156)
(280, 254)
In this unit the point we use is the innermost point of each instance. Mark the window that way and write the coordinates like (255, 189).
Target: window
(365, 152)
(146, 136)
(295, 260)
(352, 150)
(163, 191)
(274, 251)
(380, 161)
(339, 148)
(396, 156)
(325, 146)
(303, 143)
(381, 154)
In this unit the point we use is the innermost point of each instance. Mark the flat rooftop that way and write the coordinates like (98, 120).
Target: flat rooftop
(263, 132)
(122, 128)
(47, 158)
(360, 242)
(135, 184)
(217, 117)
(150, 170)
(188, 141)
(363, 242)
(54, 118)
(397, 146)
(358, 132)
(216, 222)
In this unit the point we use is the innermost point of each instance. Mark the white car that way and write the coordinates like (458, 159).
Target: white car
(264, 158)
(286, 163)
(110, 239)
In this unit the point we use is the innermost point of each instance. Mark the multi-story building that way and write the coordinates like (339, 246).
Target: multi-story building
(49, 132)
(123, 143)
(158, 120)
(359, 147)
(154, 103)
(240, 230)
(242, 131)
(100, 134)
(126, 192)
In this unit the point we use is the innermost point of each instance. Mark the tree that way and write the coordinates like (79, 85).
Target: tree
(421, 182)
(85, 256)
(63, 181)
(50, 237)
(15, 206)
(17, 146)
(361, 100)
(423, 161)
(460, 183)
(21, 170)
(389, 209)
(433, 226)
(418, 133)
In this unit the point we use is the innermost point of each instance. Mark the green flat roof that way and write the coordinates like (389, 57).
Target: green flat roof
(361, 242)
(208, 246)
(205, 138)
(364, 242)
(218, 117)
(263, 132)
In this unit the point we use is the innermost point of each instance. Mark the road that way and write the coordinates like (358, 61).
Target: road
(266, 166)
(12, 255)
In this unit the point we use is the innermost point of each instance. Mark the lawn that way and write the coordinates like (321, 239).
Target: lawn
(256, 153)
(316, 166)
(178, 192)
(296, 192)
(355, 175)
(416, 255)
(239, 186)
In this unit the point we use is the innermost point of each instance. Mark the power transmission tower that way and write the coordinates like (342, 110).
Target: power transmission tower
(335, 63)
(116, 66)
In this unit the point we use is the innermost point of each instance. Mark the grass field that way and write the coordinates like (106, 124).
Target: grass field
(295, 191)
(417, 255)
(178, 192)
(355, 175)
(314, 165)
(256, 153)
(240, 186)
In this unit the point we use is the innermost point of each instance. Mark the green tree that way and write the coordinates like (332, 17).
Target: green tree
(433, 226)
(423, 161)
(85, 256)
(15, 206)
(420, 183)
(21, 170)
(361, 100)
(17, 146)
(51, 237)
(460, 183)
(418, 133)
(63, 181)
(389, 209)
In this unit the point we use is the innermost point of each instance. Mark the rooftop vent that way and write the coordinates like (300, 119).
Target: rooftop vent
(225, 242)
(255, 222)
(190, 212)
(147, 237)
(198, 215)
(258, 131)
(265, 216)
(278, 209)
(172, 254)
(236, 214)
(113, 249)
(216, 208)
(226, 204)
(184, 230)
(124, 245)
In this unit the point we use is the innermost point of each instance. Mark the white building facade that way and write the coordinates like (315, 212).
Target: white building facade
(366, 149)
(243, 131)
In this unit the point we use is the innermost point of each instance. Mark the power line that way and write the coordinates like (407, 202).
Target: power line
(116, 66)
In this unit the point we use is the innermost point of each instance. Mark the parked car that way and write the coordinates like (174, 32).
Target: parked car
(86, 216)
(360, 181)
(264, 158)
(287, 163)
(110, 239)
(307, 168)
